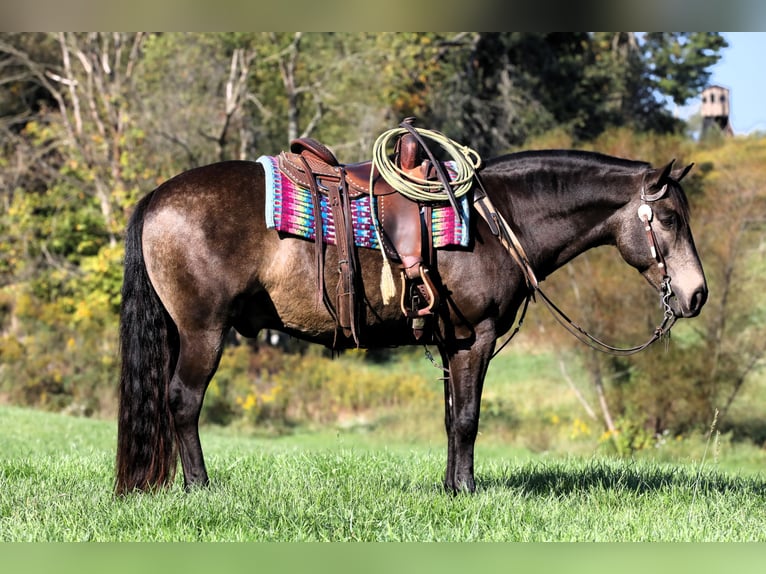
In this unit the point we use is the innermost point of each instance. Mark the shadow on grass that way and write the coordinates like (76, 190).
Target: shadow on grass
(560, 479)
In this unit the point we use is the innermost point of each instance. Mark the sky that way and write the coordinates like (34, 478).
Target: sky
(741, 69)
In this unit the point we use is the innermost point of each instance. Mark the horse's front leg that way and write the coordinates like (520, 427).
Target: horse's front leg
(462, 398)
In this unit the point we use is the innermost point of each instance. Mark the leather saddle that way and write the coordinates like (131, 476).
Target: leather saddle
(404, 225)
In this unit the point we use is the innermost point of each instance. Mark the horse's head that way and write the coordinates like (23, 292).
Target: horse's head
(654, 236)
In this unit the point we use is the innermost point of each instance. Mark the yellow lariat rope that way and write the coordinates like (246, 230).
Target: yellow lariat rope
(466, 162)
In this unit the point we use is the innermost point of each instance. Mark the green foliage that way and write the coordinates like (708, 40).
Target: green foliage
(280, 390)
(679, 62)
(59, 348)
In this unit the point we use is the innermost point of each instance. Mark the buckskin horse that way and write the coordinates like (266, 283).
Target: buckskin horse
(200, 260)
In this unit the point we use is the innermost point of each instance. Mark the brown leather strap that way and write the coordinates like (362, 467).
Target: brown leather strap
(352, 272)
(426, 227)
(344, 241)
(321, 293)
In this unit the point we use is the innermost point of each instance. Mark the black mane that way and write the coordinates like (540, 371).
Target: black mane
(577, 160)
(574, 158)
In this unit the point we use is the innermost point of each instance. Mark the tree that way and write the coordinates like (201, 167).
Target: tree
(89, 122)
(193, 95)
(679, 63)
(60, 254)
(732, 339)
(509, 86)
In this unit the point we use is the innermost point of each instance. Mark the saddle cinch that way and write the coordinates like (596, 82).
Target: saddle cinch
(404, 226)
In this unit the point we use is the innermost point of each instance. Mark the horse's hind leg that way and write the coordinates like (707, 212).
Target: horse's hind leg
(199, 355)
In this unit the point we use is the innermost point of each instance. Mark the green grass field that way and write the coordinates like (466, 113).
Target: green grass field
(335, 485)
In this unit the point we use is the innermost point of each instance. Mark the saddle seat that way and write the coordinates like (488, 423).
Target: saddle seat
(404, 224)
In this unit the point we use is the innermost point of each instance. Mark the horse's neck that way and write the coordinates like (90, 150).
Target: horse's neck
(559, 224)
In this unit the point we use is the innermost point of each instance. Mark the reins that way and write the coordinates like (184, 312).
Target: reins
(507, 237)
(467, 162)
(583, 336)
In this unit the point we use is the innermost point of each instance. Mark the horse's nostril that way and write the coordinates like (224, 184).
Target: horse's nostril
(697, 300)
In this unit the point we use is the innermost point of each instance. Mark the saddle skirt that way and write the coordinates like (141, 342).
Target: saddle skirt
(289, 210)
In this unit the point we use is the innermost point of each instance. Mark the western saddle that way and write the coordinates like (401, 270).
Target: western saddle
(404, 226)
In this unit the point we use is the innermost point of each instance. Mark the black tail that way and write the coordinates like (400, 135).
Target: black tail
(146, 448)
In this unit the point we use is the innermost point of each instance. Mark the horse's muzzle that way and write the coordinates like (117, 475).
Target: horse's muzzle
(688, 307)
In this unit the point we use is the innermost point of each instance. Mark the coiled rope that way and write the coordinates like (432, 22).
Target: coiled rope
(465, 162)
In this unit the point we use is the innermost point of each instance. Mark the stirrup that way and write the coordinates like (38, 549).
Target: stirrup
(427, 290)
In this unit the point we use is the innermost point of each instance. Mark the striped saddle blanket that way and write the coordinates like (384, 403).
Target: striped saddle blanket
(289, 209)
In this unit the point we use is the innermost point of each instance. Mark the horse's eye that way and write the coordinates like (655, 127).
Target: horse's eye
(669, 220)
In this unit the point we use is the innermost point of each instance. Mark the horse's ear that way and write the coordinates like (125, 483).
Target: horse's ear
(679, 174)
(660, 185)
(665, 172)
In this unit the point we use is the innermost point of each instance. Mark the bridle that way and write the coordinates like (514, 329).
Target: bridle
(502, 230)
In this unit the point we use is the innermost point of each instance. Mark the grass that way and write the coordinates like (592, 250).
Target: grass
(56, 479)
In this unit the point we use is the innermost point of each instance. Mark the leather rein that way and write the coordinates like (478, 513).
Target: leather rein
(502, 230)
(505, 234)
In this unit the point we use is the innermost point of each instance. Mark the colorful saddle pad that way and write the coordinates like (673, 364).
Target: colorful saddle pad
(289, 209)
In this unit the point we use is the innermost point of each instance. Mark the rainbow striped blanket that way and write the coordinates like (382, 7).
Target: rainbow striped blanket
(289, 209)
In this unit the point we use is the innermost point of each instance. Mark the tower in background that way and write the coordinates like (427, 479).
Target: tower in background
(716, 109)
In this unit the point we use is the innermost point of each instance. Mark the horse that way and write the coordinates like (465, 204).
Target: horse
(200, 261)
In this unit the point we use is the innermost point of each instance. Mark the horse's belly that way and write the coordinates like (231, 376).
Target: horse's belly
(291, 282)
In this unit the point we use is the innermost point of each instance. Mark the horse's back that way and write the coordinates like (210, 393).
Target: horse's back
(209, 194)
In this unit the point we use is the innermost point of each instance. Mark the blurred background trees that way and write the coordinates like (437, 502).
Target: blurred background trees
(696, 376)
(90, 122)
